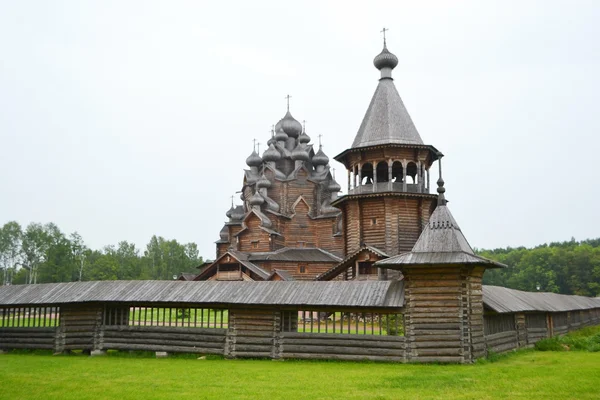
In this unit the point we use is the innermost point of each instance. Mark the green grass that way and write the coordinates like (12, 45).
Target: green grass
(586, 339)
(522, 375)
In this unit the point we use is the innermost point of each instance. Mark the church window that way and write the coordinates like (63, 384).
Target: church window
(373, 221)
(365, 268)
(255, 244)
(302, 269)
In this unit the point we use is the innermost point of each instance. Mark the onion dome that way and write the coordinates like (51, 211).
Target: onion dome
(320, 158)
(303, 138)
(230, 212)
(289, 125)
(281, 136)
(334, 186)
(238, 213)
(254, 160)
(300, 153)
(256, 199)
(385, 59)
(263, 182)
(271, 154)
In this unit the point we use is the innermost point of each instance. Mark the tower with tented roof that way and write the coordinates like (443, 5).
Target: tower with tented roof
(389, 200)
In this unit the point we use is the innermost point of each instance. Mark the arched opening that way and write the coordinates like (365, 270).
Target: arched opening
(382, 172)
(367, 174)
(397, 172)
(411, 170)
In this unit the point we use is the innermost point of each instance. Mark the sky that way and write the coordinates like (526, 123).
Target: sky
(126, 119)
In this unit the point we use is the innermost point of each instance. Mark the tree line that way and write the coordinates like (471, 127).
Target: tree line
(569, 267)
(42, 253)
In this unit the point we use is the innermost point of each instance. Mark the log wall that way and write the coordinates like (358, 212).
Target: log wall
(327, 346)
(443, 314)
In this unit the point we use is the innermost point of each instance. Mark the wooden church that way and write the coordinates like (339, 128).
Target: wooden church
(292, 225)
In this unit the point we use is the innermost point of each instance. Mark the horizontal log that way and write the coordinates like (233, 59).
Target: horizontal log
(501, 335)
(252, 327)
(81, 328)
(342, 336)
(84, 346)
(41, 346)
(168, 349)
(428, 332)
(433, 326)
(257, 322)
(426, 338)
(27, 335)
(436, 359)
(27, 331)
(424, 311)
(181, 343)
(250, 354)
(254, 340)
(79, 341)
(26, 340)
(252, 348)
(163, 329)
(418, 319)
(253, 333)
(504, 347)
(345, 342)
(165, 336)
(436, 344)
(501, 341)
(340, 350)
(342, 357)
(438, 352)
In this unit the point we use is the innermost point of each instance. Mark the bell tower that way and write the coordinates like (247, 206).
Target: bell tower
(388, 202)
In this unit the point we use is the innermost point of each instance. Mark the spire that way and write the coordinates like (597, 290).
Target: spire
(385, 61)
(386, 121)
(441, 190)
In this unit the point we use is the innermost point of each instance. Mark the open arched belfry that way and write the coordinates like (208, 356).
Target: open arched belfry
(293, 225)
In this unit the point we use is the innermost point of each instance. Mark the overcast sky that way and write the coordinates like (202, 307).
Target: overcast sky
(124, 119)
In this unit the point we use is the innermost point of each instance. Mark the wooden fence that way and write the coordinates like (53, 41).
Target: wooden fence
(233, 333)
(510, 331)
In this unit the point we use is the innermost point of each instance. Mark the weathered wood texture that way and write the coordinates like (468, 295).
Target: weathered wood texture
(27, 338)
(253, 333)
(159, 338)
(342, 347)
(79, 327)
(311, 269)
(390, 223)
(443, 314)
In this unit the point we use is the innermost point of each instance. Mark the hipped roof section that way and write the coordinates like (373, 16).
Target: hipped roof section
(441, 242)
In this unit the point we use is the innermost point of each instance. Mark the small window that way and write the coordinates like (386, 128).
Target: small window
(302, 269)
(255, 244)
(373, 221)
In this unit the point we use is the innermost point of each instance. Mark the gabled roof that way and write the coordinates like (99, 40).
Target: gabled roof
(441, 242)
(186, 276)
(300, 294)
(283, 274)
(346, 262)
(387, 120)
(239, 257)
(294, 254)
(505, 300)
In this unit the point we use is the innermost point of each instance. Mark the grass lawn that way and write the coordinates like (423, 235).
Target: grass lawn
(524, 375)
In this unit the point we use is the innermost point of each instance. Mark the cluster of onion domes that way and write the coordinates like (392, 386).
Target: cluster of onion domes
(256, 199)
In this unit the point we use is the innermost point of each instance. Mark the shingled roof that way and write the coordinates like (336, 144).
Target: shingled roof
(441, 242)
(377, 294)
(387, 121)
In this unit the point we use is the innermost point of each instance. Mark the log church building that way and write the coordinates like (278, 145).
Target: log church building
(393, 276)
(293, 225)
